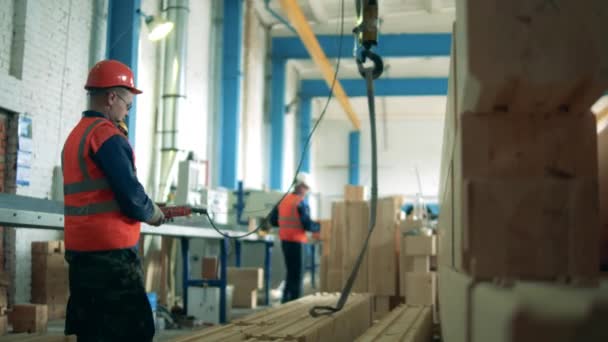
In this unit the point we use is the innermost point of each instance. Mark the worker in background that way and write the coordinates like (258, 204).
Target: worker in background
(292, 216)
(104, 205)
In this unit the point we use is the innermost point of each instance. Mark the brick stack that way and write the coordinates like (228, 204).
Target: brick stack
(50, 277)
(519, 174)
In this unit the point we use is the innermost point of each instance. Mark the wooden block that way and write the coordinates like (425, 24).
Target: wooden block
(602, 150)
(530, 229)
(3, 301)
(48, 247)
(409, 224)
(405, 323)
(247, 299)
(29, 318)
(419, 245)
(526, 311)
(246, 278)
(56, 311)
(420, 288)
(210, 268)
(354, 193)
(338, 246)
(536, 56)
(323, 273)
(381, 307)
(416, 264)
(383, 266)
(3, 324)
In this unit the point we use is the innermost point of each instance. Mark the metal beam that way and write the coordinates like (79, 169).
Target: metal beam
(391, 45)
(383, 87)
(277, 123)
(354, 139)
(231, 93)
(299, 22)
(123, 43)
(305, 125)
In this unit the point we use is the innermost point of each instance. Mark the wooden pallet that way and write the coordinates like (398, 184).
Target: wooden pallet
(403, 324)
(293, 322)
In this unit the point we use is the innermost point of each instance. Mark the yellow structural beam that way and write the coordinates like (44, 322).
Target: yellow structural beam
(298, 21)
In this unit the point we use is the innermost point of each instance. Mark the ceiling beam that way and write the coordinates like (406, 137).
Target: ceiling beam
(382, 87)
(391, 45)
(299, 22)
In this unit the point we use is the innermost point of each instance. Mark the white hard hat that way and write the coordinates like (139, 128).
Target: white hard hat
(303, 178)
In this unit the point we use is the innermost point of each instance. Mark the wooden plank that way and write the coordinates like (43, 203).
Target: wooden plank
(417, 264)
(603, 186)
(381, 307)
(405, 323)
(357, 227)
(248, 278)
(382, 261)
(337, 246)
(521, 55)
(325, 236)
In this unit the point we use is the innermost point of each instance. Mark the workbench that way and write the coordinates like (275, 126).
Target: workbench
(29, 212)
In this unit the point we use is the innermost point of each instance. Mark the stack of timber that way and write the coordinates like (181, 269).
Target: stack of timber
(379, 270)
(418, 282)
(519, 223)
(403, 324)
(50, 277)
(292, 322)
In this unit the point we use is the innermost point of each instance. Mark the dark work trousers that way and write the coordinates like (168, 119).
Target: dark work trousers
(294, 263)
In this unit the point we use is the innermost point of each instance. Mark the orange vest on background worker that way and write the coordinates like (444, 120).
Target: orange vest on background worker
(290, 224)
(93, 220)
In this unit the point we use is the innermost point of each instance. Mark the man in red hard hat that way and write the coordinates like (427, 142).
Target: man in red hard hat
(104, 205)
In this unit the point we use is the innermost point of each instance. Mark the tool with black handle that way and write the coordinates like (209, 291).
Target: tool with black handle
(172, 212)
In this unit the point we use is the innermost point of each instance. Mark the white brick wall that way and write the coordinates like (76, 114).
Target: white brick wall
(6, 29)
(55, 64)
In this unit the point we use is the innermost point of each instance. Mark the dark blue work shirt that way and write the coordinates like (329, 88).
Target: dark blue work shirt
(115, 159)
(304, 211)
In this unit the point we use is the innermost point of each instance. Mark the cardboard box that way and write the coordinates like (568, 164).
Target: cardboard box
(30, 318)
(354, 193)
(48, 247)
(245, 299)
(210, 268)
(420, 288)
(419, 245)
(249, 278)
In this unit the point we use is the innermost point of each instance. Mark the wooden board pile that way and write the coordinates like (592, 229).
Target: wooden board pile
(50, 277)
(519, 175)
(403, 324)
(417, 280)
(342, 243)
(292, 322)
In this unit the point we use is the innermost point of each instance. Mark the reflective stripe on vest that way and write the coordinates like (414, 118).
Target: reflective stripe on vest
(87, 184)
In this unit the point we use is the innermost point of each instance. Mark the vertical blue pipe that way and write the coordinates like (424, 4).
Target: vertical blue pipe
(277, 122)
(353, 157)
(123, 43)
(229, 118)
(305, 127)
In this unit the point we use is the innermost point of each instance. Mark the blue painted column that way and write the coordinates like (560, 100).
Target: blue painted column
(305, 125)
(123, 43)
(353, 157)
(277, 122)
(230, 94)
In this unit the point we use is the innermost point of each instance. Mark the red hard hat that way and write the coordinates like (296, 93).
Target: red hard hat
(111, 73)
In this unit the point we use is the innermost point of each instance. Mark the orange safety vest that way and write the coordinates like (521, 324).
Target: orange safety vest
(290, 224)
(93, 220)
